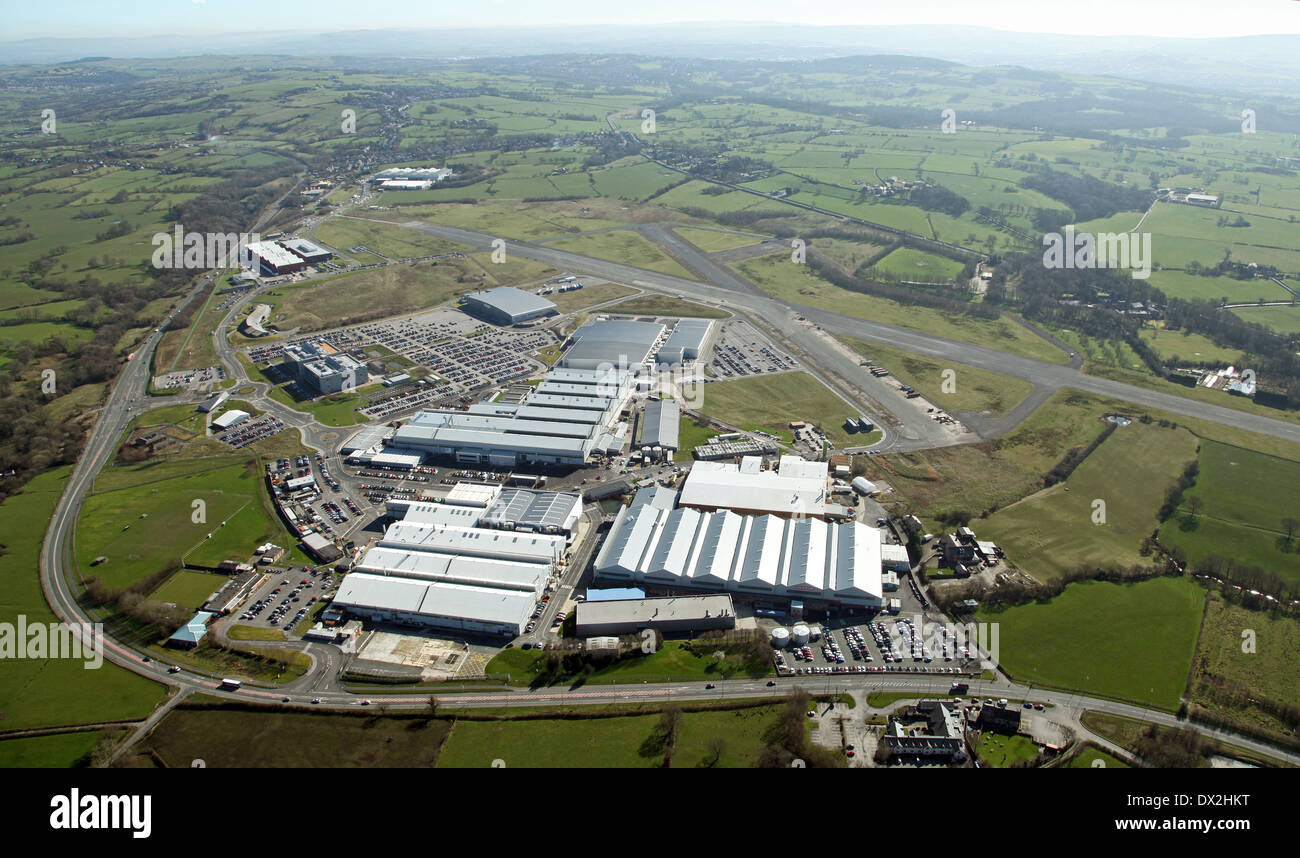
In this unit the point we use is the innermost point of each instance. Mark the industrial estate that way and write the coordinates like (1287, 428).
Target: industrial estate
(702, 425)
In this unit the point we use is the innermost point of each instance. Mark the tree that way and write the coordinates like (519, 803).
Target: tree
(433, 706)
(717, 746)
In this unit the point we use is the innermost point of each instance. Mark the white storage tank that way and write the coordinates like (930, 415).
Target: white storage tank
(863, 486)
(780, 638)
(799, 634)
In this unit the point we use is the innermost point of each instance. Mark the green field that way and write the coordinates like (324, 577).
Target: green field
(1269, 670)
(391, 241)
(141, 517)
(393, 290)
(1131, 641)
(48, 692)
(587, 296)
(714, 241)
(771, 402)
(798, 284)
(189, 589)
(972, 389)
(1193, 287)
(1057, 529)
(57, 751)
(231, 738)
(1284, 320)
(1242, 498)
(626, 247)
(908, 263)
(616, 742)
(1187, 348)
(690, 436)
(674, 660)
(663, 305)
(1002, 751)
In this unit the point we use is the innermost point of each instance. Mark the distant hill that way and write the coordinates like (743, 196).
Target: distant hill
(1210, 64)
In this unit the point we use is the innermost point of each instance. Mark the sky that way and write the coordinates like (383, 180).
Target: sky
(1178, 18)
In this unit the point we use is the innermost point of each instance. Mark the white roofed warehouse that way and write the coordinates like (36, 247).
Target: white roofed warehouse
(797, 488)
(651, 544)
(446, 565)
(506, 305)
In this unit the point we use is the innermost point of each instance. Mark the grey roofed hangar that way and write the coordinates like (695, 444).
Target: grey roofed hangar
(506, 305)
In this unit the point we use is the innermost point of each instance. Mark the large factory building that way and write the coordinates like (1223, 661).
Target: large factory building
(507, 305)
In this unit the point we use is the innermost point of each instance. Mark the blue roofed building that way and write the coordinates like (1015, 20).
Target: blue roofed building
(189, 635)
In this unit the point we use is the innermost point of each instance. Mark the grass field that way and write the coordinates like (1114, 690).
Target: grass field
(1242, 499)
(626, 247)
(388, 240)
(1193, 287)
(390, 291)
(1089, 757)
(1284, 320)
(184, 417)
(58, 751)
(672, 660)
(798, 284)
(622, 742)
(973, 389)
(1270, 669)
(189, 589)
(1002, 751)
(47, 692)
(587, 296)
(142, 517)
(1133, 641)
(772, 402)
(908, 263)
(714, 241)
(662, 305)
(1056, 530)
(690, 436)
(1188, 348)
(230, 738)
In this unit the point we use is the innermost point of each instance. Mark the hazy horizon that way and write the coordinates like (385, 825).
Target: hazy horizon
(134, 19)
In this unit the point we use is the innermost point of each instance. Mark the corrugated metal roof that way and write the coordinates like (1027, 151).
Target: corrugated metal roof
(512, 301)
(534, 509)
(797, 558)
(661, 424)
